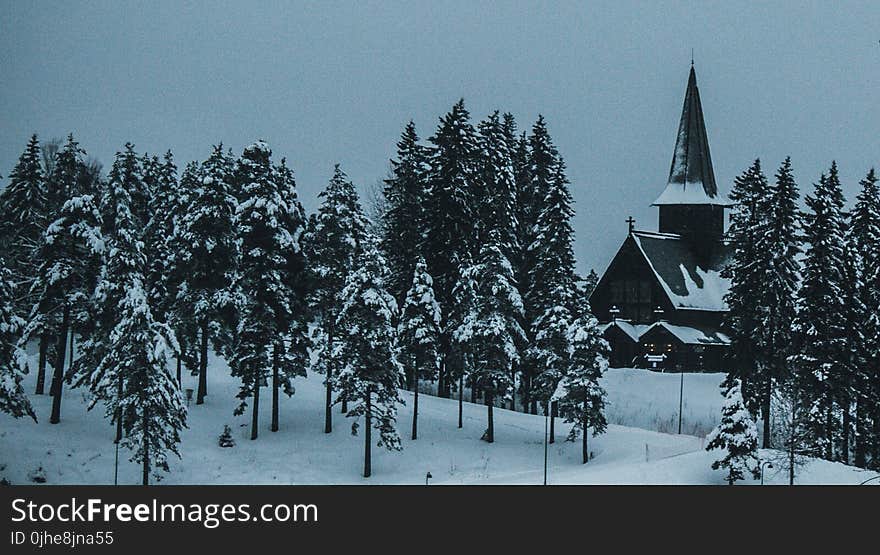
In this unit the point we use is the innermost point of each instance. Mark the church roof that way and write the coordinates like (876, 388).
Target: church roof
(691, 177)
(689, 283)
(689, 335)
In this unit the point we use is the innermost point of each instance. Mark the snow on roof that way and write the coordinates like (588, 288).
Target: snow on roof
(688, 285)
(634, 331)
(691, 177)
(688, 335)
(688, 193)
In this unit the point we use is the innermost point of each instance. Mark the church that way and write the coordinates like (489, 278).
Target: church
(661, 300)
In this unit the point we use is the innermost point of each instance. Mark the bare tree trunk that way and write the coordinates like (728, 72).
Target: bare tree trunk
(460, 402)
(553, 409)
(119, 386)
(41, 364)
(490, 431)
(255, 419)
(768, 394)
(58, 376)
(368, 425)
(861, 432)
(585, 453)
(146, 470)
(179, 369)
(328, 414)
(847, 423)
(415, 425)
(203, 366)
(275, 385)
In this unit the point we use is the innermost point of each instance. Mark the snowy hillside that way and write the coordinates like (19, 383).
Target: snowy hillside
(80, 449)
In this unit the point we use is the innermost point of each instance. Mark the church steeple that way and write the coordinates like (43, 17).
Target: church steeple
(691, 177)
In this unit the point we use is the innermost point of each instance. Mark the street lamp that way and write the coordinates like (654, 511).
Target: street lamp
(768, 464)
(427, 477)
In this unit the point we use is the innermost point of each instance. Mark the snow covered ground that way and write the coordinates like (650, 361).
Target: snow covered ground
(80, 449)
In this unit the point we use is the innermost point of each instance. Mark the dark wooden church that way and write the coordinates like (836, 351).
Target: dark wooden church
(661, 300)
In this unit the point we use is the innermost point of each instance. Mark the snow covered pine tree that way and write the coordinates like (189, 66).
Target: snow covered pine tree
(738, 436)
(418, 333)
(367, 345)
(582, 402)
(12, 368)
(332, 241)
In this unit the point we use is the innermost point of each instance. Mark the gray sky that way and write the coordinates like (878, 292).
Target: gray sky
(336, 81)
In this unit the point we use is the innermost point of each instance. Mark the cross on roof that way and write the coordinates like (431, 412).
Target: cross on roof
(631, 222)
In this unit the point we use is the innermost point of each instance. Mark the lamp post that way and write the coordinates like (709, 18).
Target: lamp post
(427, 477)
(680, 398)
(768, 464)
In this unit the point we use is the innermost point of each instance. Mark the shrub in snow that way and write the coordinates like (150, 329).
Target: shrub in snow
(226, 439)
(737, 435)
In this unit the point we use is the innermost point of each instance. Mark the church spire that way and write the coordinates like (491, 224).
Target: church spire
(691, 177)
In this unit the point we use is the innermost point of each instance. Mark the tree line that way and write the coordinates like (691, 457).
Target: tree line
(804, 322)
(466, 280)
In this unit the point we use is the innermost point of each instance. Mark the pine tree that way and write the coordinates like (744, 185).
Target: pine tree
(290, 354)
(552, 288)
(335, 235)
(451, 210)
(750, 191)
(418, 333)
(24, 215)
(13, 365)
(865, 240)
(738, 436)
(371, 372)
(495, 327)
(460, 360)
(206, 254)
(405, 195)
(582, 402)
(127, 368)
(820, 324)
(543, 171)
(269, 222)
(69, 264)
(497, 199)
(774, 268)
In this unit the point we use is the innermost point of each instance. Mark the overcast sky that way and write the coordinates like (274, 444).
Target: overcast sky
(328, 82)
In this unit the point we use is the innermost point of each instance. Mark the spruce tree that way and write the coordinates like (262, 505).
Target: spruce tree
(497, 198)
(495, 327)
(13, 365)
(819, 327)
(69, 255)
(737, 436)
(741, 323)
(405, 195)
(207, 254)
(551, 288)
(775, 269)
(542, 170)
(451, 211)
(24, 214)
(460, 359)
(367, 348)
(269, 222)
(865, 239)
(334, 237)
(582, 402)
(418, 333)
